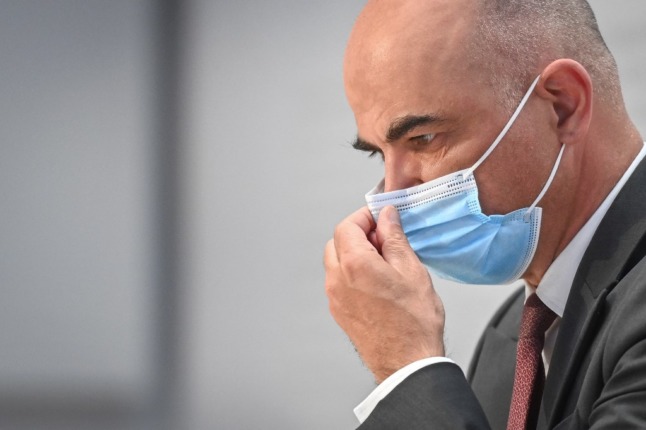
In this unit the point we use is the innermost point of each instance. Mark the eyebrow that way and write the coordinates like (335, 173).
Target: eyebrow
(361, 145)
(398, 129)
(401, 126)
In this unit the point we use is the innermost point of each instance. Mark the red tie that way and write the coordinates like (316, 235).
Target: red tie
(530, 373)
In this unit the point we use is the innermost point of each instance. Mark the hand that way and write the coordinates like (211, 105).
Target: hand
(381, 295)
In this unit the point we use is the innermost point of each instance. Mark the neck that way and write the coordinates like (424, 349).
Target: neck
(590, 172)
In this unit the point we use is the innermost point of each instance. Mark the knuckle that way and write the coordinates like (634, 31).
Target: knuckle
(339, 229)
(330, 287)
(354, 266)
(396, 247)
(328, 255)
(398, 235)
(334, 286)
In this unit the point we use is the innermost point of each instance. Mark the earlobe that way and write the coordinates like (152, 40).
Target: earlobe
(567, 85)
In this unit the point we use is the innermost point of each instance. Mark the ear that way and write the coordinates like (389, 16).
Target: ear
(568, 87)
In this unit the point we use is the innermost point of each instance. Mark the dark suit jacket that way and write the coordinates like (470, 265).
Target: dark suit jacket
(597, 376)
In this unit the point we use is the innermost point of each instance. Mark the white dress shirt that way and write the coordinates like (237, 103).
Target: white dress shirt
(553, 290)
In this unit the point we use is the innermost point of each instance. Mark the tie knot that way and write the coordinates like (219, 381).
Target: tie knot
(537, 318)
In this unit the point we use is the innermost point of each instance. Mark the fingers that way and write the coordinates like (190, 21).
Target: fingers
(331, 264)
(351, 235)
(330, 260)
(363, 218)
(352, 254)
(358, 242)
(372, 237)
(392, 241)
(383, 301)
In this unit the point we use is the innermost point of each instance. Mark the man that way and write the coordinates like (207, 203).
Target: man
(511, 109)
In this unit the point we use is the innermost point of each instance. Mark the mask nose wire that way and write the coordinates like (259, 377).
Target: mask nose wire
(546, 186)
(504, 131)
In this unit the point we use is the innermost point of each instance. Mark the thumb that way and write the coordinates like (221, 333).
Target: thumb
(394, 246)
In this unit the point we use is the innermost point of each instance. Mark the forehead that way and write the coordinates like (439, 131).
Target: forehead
(408, 57)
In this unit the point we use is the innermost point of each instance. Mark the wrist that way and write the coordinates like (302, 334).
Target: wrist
(387, 369)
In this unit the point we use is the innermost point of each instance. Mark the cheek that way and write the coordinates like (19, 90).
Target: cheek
(515, 174)
(434, 165)
(499, 194)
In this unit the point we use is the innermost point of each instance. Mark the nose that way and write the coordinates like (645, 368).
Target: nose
(401, 171)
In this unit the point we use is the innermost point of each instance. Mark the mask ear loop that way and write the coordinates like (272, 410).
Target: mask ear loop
(546, 186)
(469, 171)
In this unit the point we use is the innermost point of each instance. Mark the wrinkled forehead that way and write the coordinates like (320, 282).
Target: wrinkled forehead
(408, 47)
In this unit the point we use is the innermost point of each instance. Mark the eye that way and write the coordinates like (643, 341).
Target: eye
(421, 142)
(423, 139)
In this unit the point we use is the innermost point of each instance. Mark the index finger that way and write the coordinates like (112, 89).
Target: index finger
(352, 233)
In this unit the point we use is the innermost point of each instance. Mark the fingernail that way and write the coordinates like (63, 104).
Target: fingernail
(392, 215)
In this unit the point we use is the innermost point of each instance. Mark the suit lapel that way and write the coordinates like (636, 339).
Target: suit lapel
(609, 257)
(578, 328)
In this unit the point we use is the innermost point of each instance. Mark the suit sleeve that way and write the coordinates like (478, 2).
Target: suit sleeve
(613, 388)
(622, 403)
(621, 400)
(436, 396)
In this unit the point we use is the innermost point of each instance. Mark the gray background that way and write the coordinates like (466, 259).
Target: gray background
(169, 174)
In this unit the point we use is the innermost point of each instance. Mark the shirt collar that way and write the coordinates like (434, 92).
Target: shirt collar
(555, 286)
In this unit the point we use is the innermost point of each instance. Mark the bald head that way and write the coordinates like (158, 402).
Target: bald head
(514, 39)
(503, 43)
(400, 44)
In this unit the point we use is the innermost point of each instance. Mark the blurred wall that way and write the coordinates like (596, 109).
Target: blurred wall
(77, 256)
(168, 183)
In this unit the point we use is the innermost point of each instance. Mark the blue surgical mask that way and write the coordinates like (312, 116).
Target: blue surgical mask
(446, 228)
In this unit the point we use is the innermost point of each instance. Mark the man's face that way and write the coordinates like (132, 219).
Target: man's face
(427, 109)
